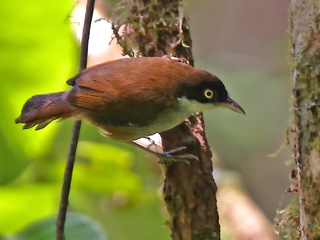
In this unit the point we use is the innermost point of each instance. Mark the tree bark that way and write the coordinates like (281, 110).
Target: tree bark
(157, 28)
(305, 40)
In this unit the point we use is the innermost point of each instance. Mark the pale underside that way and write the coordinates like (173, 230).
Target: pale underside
(165, 121)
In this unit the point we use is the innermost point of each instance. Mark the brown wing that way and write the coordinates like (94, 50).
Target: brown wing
(129, 91)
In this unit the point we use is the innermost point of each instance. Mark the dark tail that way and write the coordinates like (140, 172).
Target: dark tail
(42, 109)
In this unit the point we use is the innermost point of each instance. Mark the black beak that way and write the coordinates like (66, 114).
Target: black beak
(229, 103)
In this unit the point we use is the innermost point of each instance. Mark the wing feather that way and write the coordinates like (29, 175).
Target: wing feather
(128, 91)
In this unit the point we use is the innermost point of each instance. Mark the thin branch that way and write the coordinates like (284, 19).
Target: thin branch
(60, 223)
(86, 34)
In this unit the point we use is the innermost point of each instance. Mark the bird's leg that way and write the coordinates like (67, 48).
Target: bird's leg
(152, 143)
(168, 156)
(172, 156)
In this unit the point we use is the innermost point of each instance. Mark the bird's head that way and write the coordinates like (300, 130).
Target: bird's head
(208, 92)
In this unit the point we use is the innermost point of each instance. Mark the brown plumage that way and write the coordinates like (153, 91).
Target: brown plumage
(40, 110)
(127, 98)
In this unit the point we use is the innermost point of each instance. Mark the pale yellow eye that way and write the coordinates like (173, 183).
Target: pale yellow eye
(208, 93)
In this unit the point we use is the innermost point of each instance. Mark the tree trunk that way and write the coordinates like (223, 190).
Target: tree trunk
(301, 220)
(157, 28)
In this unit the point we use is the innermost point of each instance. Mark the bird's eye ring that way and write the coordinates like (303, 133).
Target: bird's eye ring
(208, 93)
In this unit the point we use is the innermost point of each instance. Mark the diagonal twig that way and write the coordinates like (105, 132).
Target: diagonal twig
(60, 223)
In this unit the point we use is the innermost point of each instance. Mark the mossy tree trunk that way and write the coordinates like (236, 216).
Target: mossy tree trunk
(301, 220)
(157, 28)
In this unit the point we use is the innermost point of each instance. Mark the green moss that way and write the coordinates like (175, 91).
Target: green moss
(287, 221)
(152, 29)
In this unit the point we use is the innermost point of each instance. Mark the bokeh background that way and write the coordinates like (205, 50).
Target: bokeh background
(117, 188)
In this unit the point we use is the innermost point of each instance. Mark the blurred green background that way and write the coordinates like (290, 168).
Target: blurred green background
(117, 186)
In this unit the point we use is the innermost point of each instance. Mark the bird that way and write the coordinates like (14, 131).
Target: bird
(131, 98)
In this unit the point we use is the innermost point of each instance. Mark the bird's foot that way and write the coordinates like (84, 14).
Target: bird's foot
(172, 156)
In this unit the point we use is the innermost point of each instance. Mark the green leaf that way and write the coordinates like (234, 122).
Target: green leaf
(21, 205)
(38, 54)
(105, 168)
(78, 227)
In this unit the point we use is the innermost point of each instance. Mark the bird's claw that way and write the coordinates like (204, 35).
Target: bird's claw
(172, 156)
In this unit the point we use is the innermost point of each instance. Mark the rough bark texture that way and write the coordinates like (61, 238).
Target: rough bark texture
(305, 40)
(157, 28)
